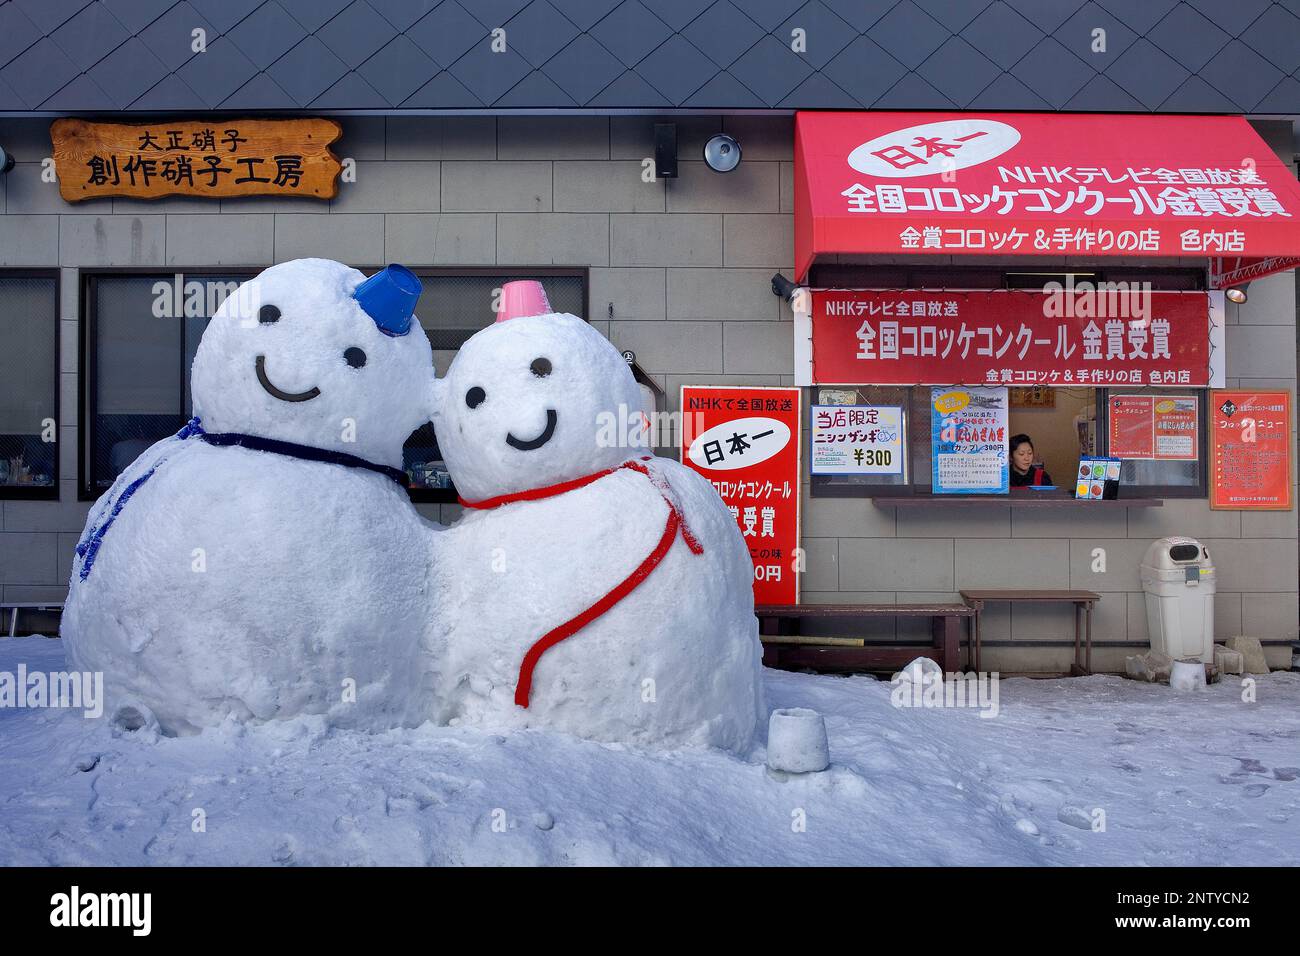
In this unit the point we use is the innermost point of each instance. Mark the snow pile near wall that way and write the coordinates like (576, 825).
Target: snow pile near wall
(1181, 780)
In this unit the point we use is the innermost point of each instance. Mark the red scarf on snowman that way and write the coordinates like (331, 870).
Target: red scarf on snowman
(676, 522)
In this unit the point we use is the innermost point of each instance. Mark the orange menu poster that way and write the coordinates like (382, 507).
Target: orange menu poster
(1250, 438)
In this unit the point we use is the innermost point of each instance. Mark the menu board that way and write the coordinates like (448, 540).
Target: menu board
(1156, 427)
(857, 440)
(968, 432)
(1250, 441)
(1098, 478)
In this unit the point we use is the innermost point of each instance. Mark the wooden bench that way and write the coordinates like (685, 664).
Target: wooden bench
(1083, 602)
(784, 646)
(14, 607)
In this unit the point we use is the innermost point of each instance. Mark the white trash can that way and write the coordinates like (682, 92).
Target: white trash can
(1178, 578)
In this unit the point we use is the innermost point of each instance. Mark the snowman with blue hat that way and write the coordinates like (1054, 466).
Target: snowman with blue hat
(266, 562)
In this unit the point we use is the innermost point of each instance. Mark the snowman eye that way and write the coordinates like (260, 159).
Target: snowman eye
(268, 314)
(355, 357)
(541, 367)
(474, 397)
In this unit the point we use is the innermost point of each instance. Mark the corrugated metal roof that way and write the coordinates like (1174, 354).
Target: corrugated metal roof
(1158, 55)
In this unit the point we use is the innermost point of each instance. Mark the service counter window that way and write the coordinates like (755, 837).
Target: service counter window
(29, 384)
(141, 331)
(1159, 434)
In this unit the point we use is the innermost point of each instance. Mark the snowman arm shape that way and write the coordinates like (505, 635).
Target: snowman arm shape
(676, 522)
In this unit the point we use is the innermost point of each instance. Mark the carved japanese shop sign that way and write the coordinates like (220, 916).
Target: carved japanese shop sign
(205, 158)
(1010, 337)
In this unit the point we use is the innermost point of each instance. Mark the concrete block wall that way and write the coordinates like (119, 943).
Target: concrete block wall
(679, 273)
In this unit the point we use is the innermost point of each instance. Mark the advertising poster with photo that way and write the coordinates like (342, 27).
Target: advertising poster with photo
(969, 438)
(1155, 427)
(745, 441)
(857, 440)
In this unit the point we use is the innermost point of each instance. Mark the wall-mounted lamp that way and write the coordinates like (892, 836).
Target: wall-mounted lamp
(722, 153)
(1236, 294)
(783, 287)
(6, 161)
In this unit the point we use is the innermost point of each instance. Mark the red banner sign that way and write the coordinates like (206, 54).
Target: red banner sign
(1010, 337)
(746, 442)
(1039, 184)
(1250, 434)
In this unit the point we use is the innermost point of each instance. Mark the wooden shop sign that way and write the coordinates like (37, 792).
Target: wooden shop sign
(205, 158)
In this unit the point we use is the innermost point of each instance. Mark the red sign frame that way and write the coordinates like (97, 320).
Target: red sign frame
(1039, 184)
(1244, 478)
(772, 482)
(1010, 337)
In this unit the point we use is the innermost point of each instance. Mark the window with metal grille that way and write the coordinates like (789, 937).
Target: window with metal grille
(29, 384)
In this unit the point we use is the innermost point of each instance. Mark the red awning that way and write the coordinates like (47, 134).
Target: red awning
(1039, 184)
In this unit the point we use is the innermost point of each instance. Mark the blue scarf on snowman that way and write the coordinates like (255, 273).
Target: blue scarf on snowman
(89, 545)
(389, 298)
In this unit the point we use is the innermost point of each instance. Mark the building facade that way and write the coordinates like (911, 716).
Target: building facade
(477, 166)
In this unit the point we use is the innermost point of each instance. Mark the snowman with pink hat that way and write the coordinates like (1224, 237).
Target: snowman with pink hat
(589, 587)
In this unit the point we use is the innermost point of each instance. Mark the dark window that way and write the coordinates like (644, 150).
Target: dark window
(140, 343)
(138, 351)
(29, 385)
(1141, 477)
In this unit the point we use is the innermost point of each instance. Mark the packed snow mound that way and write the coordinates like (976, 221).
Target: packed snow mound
(675, 662)
(217, 581)
(536, 402)
(1158, 778)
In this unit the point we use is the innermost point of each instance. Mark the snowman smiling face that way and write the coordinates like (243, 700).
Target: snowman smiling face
(522, 404)
(269, 314)
(541, 367)
(292, 355)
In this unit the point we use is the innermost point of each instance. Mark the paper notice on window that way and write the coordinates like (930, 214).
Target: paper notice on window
(1155, 427)
(969, 438)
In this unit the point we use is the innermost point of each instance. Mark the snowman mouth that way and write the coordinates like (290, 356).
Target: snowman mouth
(532, 443)
(280, 393)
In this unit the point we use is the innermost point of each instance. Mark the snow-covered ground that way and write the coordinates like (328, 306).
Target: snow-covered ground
(1181, 779)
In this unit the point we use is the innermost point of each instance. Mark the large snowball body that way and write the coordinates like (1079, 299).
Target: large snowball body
(538, 401)
(236, 582)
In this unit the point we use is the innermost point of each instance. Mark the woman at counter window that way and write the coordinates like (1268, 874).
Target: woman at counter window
(1023, 470)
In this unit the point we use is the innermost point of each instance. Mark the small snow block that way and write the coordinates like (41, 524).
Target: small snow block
(1135, 668)
(921, 671)
(1228, 661)
(1074, 816)
(1252, 653)
(1188, 674)
(796, 741)
(1153, 667)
